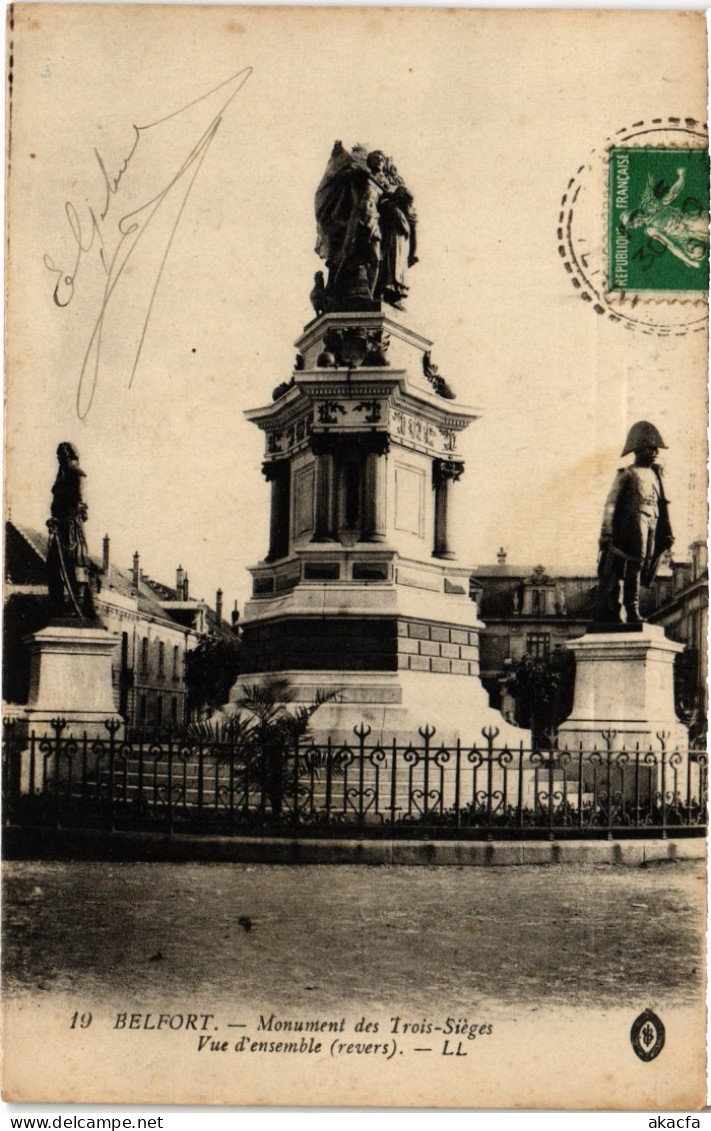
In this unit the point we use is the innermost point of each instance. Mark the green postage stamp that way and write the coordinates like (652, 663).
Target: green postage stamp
(658, 219)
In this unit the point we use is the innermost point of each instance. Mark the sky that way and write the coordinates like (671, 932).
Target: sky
(487, 115)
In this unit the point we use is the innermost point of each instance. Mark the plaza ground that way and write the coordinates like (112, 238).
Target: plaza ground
(158, 934)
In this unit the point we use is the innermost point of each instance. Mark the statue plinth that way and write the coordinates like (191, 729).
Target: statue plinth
(624, 683)
(71, 677)
(360, 589)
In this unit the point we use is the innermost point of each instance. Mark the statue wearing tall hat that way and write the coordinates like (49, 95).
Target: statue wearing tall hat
(635, 528)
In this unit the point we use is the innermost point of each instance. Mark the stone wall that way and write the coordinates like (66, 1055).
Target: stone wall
(426, 647)
(359, 643)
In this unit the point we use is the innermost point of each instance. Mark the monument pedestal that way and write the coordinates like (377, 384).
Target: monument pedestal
(70, 678)
(360, 591)
(398, 654)
(624, 687)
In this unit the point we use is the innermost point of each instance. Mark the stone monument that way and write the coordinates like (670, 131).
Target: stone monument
(360, 591)
(70, 659)
(624, 679)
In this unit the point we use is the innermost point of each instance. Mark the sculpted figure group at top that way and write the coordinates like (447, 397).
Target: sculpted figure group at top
(367, 232)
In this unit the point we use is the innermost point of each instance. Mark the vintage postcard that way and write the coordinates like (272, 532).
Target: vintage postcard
(355, 684)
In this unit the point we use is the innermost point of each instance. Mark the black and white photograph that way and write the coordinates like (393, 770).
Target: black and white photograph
(355, 555)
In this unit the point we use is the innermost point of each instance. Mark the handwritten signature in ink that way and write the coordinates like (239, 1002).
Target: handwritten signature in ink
(92, 231)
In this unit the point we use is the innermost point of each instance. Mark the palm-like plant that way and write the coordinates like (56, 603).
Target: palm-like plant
(258, 734)
(269, 733)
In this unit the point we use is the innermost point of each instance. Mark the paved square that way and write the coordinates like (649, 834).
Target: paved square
(473, 937)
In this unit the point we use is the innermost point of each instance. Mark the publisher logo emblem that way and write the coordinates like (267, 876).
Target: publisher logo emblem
(647, 1035)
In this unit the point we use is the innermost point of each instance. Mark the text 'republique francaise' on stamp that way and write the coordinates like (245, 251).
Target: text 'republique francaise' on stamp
(634, 227)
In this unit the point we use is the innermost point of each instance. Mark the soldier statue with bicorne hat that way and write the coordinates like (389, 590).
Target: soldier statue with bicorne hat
(635, 528)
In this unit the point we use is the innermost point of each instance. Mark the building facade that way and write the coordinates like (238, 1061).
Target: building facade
(155, 627)
(682, 609)
(526, 611)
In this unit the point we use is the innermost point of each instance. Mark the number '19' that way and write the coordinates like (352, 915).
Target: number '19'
(80, 1020)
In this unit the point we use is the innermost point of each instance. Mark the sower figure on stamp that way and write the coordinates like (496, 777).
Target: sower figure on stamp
(67, 557)
(635, 528)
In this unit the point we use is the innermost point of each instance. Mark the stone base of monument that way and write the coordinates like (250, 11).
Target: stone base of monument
(624, 689)
(71, 679)
(396, 657)
(395, 705)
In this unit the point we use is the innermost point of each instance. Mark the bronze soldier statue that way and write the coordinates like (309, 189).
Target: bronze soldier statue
(68, 563)
(635, 528)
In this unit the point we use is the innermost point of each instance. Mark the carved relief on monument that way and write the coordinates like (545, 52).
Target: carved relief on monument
(449, 439)
(327, 412)
(352, 347)
(372, 411)
(434, 377)
(279, 441)
(414, 428)
(349, 414)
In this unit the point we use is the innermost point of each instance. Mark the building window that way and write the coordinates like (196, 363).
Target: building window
(159, 710)
(161, 657)
(538, 644)
(176, 654)
(142, 709)
(144, 654)
(174, 710)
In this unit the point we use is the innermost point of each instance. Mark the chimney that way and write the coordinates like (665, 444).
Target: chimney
(106, 545)
(501, 556)
(235, 615)
(186, 589)
(218, 606)
(136, 570)
(179, 575)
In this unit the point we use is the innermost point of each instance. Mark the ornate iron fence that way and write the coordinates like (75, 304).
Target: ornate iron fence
(208, 785)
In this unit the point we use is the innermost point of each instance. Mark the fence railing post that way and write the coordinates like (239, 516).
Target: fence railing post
(58, 726)
(457, 783)
(551, 791)
(295, 810)
(609, 738)
(231, 788)
(519, 796)
(329, 779)
(426, 732)
(662, 737)
(200, 784)
(112, 726)
(393, 786)
(490, 734)
(11, 770)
